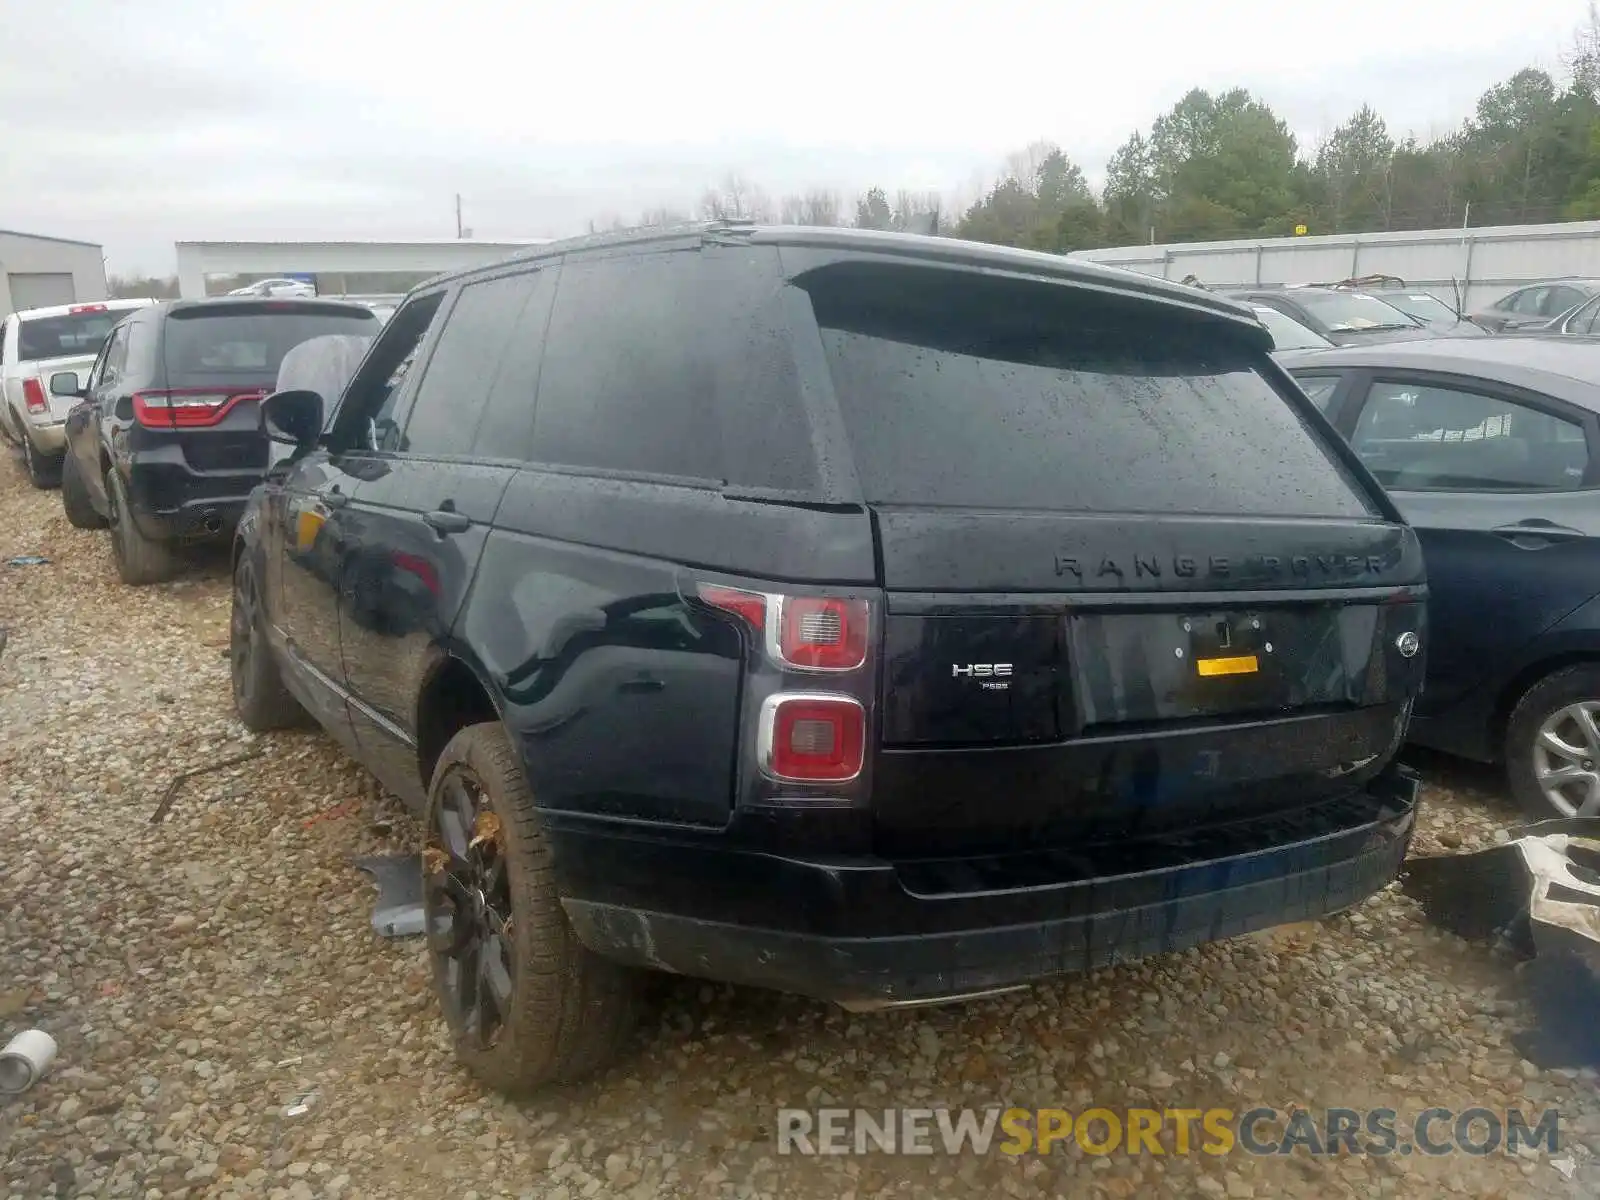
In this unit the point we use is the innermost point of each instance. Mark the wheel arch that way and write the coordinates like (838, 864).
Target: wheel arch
(1528, 677)
(456, 692)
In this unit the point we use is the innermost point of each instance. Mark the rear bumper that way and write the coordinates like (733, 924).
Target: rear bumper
(868, 932)
(171, 501)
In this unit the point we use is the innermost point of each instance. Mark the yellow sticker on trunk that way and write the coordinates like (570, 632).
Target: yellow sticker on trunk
(1241, 664)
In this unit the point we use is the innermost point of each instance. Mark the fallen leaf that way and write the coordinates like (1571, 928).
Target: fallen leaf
(486, 829)
(434, 860)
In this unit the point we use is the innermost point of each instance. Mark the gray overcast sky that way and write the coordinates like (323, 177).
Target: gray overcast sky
(136, 123)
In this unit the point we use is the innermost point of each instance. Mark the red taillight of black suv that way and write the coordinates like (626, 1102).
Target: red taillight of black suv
(807, 732)
(188, 408)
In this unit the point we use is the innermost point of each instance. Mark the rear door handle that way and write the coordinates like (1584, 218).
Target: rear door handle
(445, 520)
(1539, 529)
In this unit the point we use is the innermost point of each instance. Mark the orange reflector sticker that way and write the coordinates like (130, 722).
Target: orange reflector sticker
(1243, 664)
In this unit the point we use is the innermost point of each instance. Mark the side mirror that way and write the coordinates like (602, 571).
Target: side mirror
(293, 418)
(65, 383)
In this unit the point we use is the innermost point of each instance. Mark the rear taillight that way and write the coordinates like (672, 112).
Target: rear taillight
(812, 737)
(804, 736)
(808, 633)
(819, 634)
(186, 409)
(33, 396)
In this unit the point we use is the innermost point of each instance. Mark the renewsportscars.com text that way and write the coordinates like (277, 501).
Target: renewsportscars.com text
(1175, 1131)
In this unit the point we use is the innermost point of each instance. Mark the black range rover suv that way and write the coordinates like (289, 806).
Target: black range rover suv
(881, 618)
(166, 443)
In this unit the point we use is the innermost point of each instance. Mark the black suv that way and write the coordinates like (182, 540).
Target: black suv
(882, 618)
(167, 441)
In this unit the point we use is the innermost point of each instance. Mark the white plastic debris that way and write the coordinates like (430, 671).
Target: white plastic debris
(25, 1058)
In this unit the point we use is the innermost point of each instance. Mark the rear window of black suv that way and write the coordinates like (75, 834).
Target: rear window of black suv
(979, 392)
(206, 344)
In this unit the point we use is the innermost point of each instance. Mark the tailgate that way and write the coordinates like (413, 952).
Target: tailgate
(1229, 667)
(42, 369)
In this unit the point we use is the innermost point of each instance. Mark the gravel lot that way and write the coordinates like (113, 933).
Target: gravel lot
(202, 973)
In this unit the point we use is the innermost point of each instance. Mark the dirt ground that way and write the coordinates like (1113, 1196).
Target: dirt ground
(231, 1026)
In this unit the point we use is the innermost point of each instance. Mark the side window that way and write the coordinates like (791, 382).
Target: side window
(1319, 388)
(1530, 301)
(97, 371)
(140, 362)
(677, 363)
(625, 384)
(506, 428)
(363, 419)
(5, 332)
(1559, 299)
(117, 354)
(454, 390)
(1432, 438)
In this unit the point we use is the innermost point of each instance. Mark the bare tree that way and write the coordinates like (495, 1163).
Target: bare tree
(736, 199)
(662, 217)
(815, 207)
(1023, 165)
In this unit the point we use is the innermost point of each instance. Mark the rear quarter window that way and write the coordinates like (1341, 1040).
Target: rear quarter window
(674, 363)
(969, 391)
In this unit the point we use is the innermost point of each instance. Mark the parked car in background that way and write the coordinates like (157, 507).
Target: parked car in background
(1535, 304)
(1287, 333)
(166, 443)
(1582, 320)
(1491, 448)
(34, 345)
(297, 288)
(1430, 310)
(1344, 318)
(703, 589)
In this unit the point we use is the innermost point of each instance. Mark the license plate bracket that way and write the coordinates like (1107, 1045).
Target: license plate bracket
(1223, 644)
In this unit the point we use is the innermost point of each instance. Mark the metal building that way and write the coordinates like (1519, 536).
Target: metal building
(36, 272)
(333, 264)
(1484, 263)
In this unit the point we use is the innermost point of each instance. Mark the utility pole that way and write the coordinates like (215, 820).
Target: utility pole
(459, 232)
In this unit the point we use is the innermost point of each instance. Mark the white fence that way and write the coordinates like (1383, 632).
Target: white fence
(1484, 263)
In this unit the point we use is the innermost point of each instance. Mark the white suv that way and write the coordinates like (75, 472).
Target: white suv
(34, 345)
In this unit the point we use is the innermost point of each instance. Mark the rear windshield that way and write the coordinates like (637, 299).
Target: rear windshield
(73, 335)
(984, 393)
(236, 345)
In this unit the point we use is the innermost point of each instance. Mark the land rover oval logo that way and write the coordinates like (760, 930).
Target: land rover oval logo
(1408, 644)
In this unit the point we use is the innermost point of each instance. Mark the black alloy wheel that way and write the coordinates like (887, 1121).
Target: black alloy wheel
(467, 902)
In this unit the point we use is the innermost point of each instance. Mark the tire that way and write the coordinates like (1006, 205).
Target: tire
(44, 471)
(139, 559)
(564, 1011)
(75, 500)
(1557, 701)
(259, 697)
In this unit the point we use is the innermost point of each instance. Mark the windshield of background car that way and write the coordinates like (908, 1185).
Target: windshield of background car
(1424, 307)
(80, 334)
(969, 391)
(246, 343)
(1350, 312)
(1289, 334)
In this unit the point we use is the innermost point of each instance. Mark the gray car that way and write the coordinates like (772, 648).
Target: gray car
(1535, 304)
